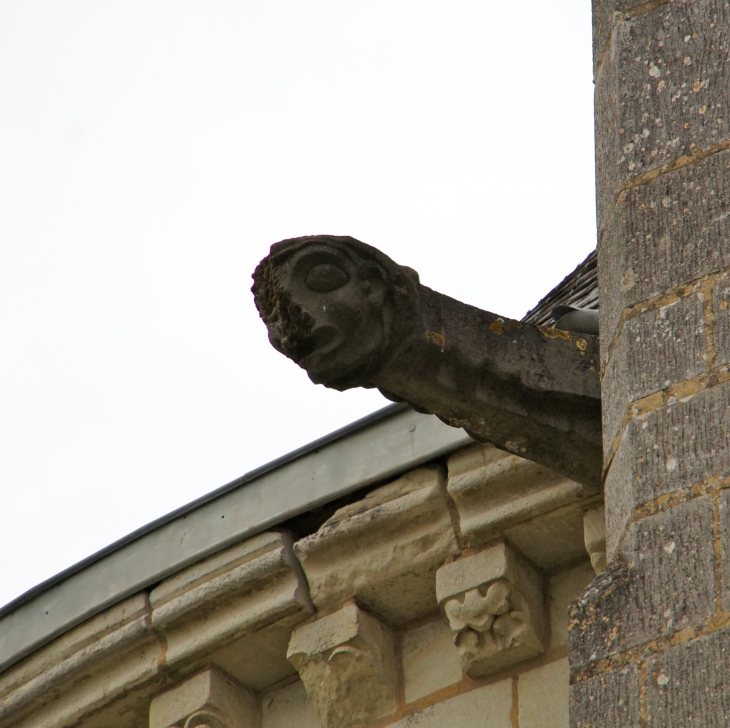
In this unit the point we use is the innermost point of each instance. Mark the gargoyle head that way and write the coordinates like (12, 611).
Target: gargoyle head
(337, 307)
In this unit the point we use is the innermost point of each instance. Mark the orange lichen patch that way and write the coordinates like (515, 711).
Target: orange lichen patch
(552, 333)
(582, 344)
(497, 326)
(435, 338)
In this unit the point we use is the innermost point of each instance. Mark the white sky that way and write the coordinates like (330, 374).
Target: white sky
(150, 152)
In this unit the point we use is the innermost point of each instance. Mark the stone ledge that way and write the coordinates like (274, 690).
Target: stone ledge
(383, 551)
(84, 670)
(494, 491)
(241, 602)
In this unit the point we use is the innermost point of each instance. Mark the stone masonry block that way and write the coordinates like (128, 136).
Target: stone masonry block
(638, 367)
(609, 700)
(288, 706)
(691, 681)
(384, 550)
(664, 234)
(721, 320)
(662, 581)
(725, 541)
(211, 699)
(235, 608)
(486, 707)
(543, 696)
(662, 92)
(347, 663)
(430, 660)
(494, 490)
(496, 609)
(565, 587)
(671, 449)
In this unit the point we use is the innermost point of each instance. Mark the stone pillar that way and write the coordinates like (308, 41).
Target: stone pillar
(650, 641)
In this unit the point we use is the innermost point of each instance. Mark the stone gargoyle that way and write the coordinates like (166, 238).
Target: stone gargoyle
(352, 317)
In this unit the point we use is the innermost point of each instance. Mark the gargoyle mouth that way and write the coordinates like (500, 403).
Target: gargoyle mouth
(318, 344)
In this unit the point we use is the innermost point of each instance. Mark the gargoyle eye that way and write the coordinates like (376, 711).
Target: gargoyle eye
(326, 277)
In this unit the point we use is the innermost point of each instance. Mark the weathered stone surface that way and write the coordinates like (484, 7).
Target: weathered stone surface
(553, 540)
(663, 235)
(725, 541)
(687, 685)
(352, 317)
(637, 368)
(210, 698)
(721, 320)
(662, 92)
(494, 490)
(495, 606)
(565, 587)
(609, 700)
(288, 707)
(657, 455)
(661, 582)
(543, 696)
(594, 529)
(384, 550)
(348, 666)
(487, 707)
(237, 607)
(430, 660)
(83, 671)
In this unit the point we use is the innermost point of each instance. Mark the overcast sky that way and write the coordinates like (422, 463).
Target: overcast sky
(151, 152)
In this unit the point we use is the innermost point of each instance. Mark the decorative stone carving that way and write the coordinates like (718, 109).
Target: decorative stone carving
(352, 317)
(495, 606)
(211, 699)
(384, 550)
(347, 663)
(594, 530)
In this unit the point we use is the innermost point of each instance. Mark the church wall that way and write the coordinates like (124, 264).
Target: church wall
(373, 620)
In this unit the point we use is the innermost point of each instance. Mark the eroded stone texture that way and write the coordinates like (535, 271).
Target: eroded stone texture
(609, 700)
(495, 606)
(351, 317)
(637, 368)
(210, 699)
(665, 584)
(662, 92)
(384, 550)
(663, 235)
(656, 457)
(494, 490)
(687, 685)
(721, 321)
(725, 541)
(237, 608)
(348, 666)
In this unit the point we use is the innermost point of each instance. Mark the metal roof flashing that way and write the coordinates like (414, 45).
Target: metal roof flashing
(382, 445)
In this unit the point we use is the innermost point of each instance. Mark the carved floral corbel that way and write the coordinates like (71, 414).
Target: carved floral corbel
(495, 606)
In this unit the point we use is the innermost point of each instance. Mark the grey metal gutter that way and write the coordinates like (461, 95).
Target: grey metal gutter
(382, 445)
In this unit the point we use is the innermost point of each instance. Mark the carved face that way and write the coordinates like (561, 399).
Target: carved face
(327, 308)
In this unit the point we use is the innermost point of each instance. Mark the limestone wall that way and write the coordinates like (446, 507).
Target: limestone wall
(440, 596)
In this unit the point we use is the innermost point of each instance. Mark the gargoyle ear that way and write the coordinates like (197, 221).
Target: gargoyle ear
(412, 274)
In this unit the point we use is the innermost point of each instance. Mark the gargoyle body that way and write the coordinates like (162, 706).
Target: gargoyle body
(351, 317)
